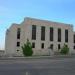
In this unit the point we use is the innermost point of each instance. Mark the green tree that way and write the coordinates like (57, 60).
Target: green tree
(64, 49)
(27, 49)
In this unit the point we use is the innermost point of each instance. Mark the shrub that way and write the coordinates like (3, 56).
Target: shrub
(27, 49)
(64, 49)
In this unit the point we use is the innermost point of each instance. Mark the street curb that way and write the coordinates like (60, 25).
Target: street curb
(38, 57)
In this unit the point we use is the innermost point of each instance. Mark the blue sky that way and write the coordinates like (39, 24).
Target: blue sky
(14, 11)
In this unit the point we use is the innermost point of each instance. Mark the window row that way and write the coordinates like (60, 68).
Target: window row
(33, 45)
(51, 33)
(42, 46)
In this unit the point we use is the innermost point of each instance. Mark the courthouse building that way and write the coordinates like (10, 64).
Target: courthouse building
(42, 34)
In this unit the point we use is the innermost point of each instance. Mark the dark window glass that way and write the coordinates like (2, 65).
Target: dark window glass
(43, 33)
(33, 45)
(59, 35)
(66, 35)
(33, 32)
(74, 47)
(42, 45)
(18, 33)
(74, 38)
(17, 50)
(51, 34)
(58, 46)
(51, 46)
(18, 44)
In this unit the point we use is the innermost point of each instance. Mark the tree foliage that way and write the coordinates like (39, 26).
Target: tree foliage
(27, 49)
(64, 49)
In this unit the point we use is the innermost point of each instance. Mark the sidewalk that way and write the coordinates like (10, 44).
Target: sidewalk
(39, 57)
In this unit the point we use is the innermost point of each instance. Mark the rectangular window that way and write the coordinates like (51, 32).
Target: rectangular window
(17, 50)
(51, 46)
(51, 33)
(42, 33)
(18, 33)
(66, 35)
(18, 44)
(42, 45)
(74, 47)
(58, 46)
(59, 35)
(33, 45)
(33, 32)
(74, 38)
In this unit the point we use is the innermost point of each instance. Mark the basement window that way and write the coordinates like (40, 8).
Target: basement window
(17, 50)
(74, 47)
(33, 45)
(42, 45)
(18, 44)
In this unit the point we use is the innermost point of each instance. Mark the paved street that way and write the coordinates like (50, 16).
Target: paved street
(61, 66)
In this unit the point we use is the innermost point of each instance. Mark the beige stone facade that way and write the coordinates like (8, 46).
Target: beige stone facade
(26, 33)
